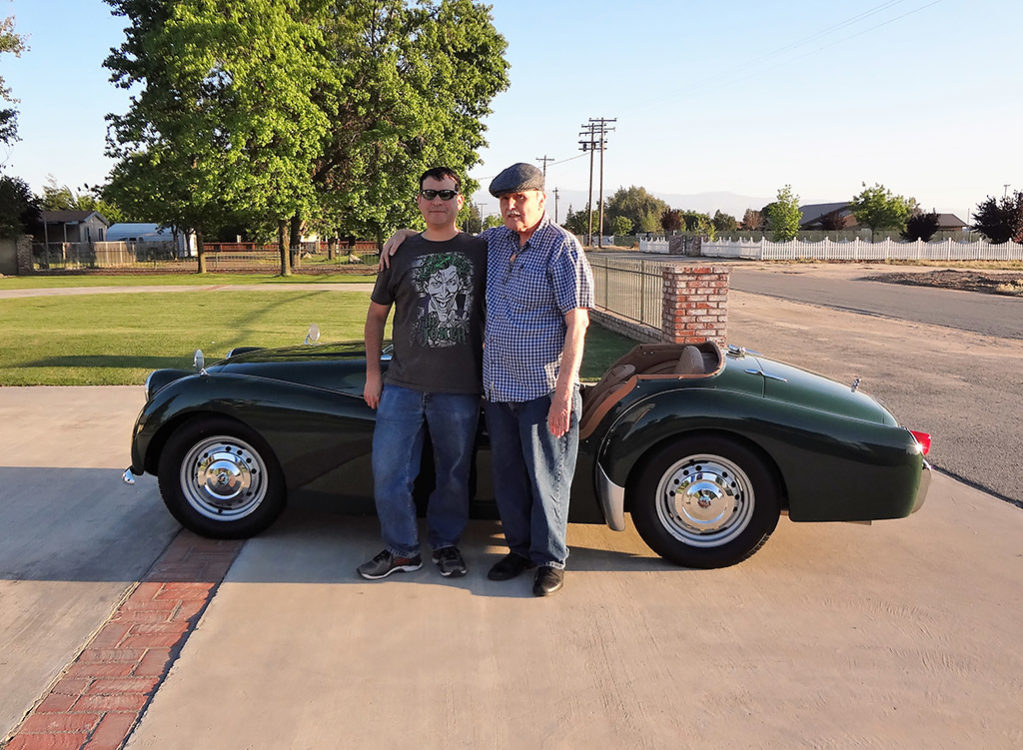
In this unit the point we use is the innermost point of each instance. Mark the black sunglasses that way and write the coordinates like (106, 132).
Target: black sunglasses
(445, 195)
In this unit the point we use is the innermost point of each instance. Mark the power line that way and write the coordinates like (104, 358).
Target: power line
(743, 72)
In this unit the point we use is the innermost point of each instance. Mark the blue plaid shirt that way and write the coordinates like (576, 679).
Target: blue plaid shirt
(527, 299)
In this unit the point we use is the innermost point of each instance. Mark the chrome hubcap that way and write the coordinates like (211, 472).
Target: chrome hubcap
(223, 478)
(705, 500)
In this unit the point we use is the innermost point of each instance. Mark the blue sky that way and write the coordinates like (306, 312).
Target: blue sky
(732, 96)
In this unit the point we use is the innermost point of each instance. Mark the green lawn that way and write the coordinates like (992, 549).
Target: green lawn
(175, 279)
(116, 339)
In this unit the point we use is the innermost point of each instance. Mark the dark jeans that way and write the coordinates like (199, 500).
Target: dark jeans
(402, 419)
(533, 476)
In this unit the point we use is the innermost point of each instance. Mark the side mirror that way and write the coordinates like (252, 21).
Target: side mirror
(199, 362)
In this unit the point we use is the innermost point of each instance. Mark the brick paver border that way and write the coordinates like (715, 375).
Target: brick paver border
(100, 696)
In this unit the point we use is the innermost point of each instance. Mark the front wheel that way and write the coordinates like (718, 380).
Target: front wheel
(705, 502)
(220, 479)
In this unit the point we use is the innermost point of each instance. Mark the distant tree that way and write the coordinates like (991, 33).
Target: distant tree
(469, 218)
(58, 197)
(637, 205)
(752, 220)
(833, 221)
(19, 208)
(621, 225)
(878, 208)
(696, 222)
(671, 220)
(1001, 220)
(575, 222)
(15, 45)
(920, 226)
(783, 215)
(724, 223)
(493, 220)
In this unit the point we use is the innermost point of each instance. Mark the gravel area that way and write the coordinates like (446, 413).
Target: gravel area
(1004, 282)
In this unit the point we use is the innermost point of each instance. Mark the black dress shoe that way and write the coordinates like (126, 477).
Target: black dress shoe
(548, 580)
(509, 566)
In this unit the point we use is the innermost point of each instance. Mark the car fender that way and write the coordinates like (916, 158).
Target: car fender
(807, 448)
(292, 418)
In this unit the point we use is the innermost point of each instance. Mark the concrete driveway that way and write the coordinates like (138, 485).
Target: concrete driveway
(904, 633)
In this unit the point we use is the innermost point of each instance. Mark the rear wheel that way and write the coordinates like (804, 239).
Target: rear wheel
(705, 502)
(220, 479)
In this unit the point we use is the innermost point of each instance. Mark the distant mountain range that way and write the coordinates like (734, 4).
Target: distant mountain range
(708, 203)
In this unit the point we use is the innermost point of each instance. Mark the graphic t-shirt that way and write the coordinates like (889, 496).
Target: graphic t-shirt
(438, 291)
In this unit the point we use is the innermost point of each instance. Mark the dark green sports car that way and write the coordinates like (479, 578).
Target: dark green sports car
(704, 447)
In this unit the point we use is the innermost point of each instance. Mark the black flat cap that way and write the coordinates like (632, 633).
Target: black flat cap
(516, 178)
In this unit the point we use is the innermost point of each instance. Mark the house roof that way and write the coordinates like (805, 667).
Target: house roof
(69, 217)
(950, 221)
(814, 211)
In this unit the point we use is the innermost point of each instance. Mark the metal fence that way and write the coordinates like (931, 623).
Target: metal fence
(128, 255)
(888, 249)
(632, 289)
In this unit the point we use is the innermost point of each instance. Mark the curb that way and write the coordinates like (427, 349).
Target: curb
(102, 694)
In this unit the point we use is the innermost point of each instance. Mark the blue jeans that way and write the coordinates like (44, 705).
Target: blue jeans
(403, 417)
(533, 476)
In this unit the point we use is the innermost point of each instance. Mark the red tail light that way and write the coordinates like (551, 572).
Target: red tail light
(924, 439)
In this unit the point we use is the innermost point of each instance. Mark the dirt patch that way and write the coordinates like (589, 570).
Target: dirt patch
(1008, 283)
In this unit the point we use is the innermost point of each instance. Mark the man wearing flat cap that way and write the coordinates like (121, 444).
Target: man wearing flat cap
(539, 292)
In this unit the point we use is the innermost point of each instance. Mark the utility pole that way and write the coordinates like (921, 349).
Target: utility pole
(601, 123)
(555, 191)
(479, 212)
(595, 130)
(1005, 193)
(545, 159)
(589, 145)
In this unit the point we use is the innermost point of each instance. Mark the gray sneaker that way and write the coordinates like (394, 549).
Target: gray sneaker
(385, 563)
(449, 562)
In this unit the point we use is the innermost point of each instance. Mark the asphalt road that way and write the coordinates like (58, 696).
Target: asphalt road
(987, 314)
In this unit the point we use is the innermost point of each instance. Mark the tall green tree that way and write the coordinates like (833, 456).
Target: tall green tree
(1001, 220)
(638, 206)
(12, 43)
(299, 113)
(878, 207)
(19, 208)
(410, 87)
(225, 118)
(783, 215)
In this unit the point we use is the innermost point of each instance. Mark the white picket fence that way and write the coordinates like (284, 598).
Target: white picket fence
(653, 246)
(888, 249)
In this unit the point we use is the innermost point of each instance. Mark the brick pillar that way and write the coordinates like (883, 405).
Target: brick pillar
(695, 304)
(24, 255)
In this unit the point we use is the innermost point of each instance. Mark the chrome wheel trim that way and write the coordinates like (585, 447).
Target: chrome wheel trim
(705, 500)
(223, 478)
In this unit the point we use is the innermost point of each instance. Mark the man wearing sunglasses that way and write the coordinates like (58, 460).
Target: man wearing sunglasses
(432, 383)
(539, 291)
